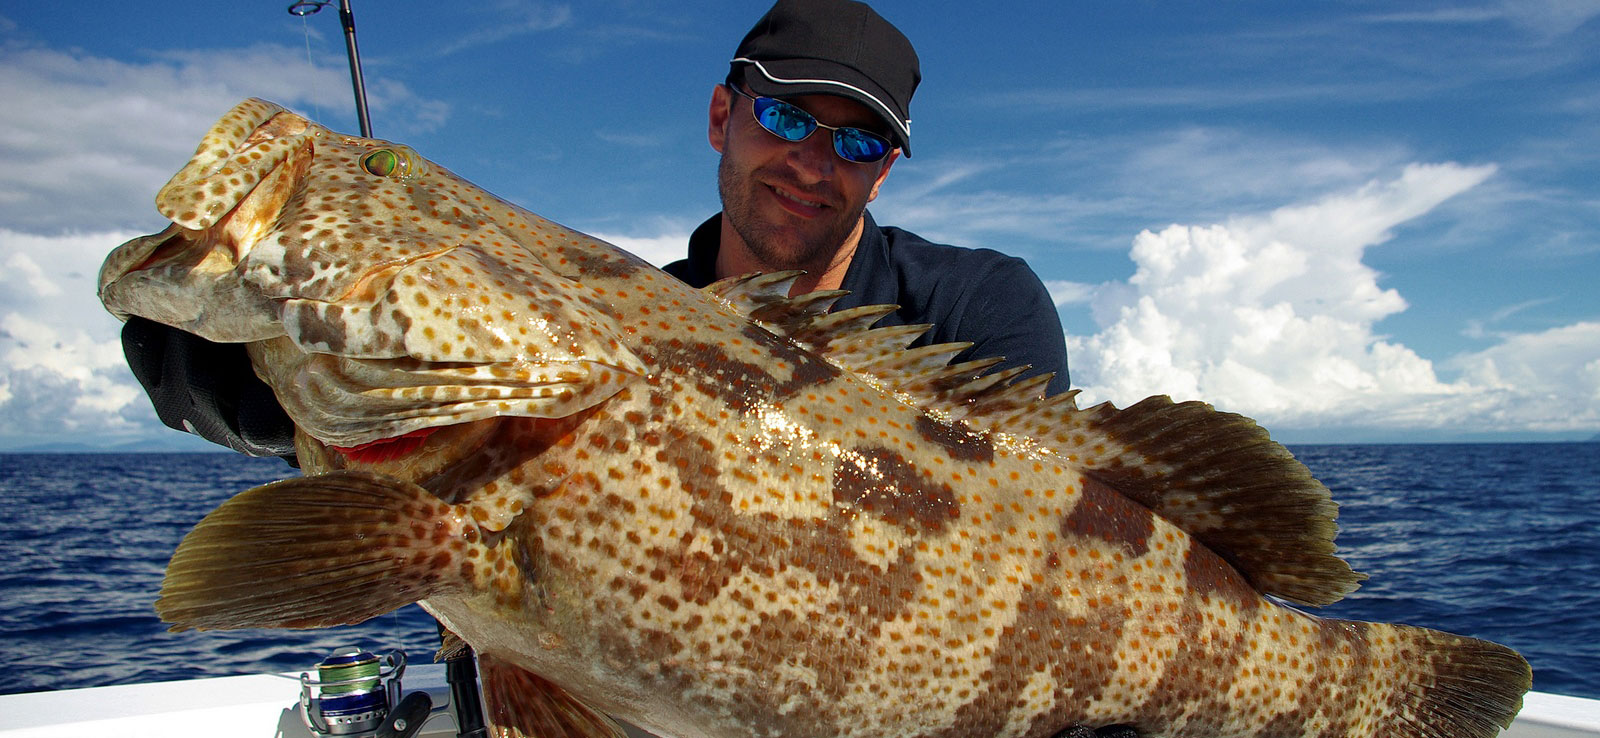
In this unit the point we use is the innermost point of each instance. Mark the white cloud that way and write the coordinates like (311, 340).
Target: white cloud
(86, 141)
(1076, 192)
(1546, 18)
(505, 21)
(658, 250)
(1480, 328)
(22, 268)
(1064, 292)
(62, 373)
(1274, 316)
(1549, 380)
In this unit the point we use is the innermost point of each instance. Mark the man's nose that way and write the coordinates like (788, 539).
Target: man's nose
(814, 157)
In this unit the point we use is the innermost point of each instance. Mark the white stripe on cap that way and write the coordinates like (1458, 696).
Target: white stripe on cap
(905, 127)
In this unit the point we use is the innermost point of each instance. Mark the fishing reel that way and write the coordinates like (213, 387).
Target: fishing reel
(358, 694)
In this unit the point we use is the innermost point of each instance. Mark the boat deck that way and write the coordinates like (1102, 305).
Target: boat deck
(264, 705)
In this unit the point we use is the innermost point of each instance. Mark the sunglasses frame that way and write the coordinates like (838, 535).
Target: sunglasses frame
(837, 131)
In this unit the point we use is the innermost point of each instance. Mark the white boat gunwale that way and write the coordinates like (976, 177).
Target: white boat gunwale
(265, 705)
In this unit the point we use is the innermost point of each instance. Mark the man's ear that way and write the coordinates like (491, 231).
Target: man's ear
(883, 174)
(717, 117)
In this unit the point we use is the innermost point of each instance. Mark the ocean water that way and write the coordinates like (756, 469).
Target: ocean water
(1495, 541)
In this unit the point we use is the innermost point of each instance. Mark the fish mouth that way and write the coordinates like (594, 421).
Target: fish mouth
(229, 195)
(378, 328)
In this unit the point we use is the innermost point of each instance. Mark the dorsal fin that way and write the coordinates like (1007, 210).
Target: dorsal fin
(922, 376)
(1216, 475)
(939, 388)
(1016, 397)
(915, 362)
(861, 351)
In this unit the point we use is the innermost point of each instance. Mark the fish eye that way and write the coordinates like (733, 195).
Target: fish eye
(383, 163)
(394, 161)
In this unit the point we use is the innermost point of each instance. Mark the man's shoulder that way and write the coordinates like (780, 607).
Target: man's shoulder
(909, 252)
(679, 269)
(994, 301)
(698, 268)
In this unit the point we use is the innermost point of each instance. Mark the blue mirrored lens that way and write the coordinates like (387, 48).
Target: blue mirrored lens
(857, 145)
(787, 121)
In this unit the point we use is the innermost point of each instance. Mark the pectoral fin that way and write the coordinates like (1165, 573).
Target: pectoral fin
(311, 552)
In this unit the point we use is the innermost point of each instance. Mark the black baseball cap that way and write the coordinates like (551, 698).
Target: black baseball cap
(832, 47)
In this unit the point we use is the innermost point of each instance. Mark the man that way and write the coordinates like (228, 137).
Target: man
(812, 116)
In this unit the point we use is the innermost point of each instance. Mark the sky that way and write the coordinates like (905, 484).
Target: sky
(1352, 221)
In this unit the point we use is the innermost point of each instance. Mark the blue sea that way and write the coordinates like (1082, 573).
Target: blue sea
(1495, 541)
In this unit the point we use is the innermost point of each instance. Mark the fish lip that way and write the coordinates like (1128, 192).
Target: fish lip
(219, 176)
(132, 256)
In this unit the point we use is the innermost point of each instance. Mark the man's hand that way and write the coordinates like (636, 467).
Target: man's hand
(208, 389)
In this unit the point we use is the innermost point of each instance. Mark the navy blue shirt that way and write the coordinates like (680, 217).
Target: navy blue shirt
(978, 295)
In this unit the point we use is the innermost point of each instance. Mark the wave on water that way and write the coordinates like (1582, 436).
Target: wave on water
(85, 556)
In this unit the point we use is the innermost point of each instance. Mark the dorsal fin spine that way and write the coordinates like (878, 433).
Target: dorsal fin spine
(821, 332)
(906, 366)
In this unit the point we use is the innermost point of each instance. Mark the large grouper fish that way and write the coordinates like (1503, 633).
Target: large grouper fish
(730, 512)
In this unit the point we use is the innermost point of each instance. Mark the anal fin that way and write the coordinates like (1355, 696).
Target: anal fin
(522, 704)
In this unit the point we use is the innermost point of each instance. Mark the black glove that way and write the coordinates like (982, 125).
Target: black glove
(1110, 731)
(207, 389)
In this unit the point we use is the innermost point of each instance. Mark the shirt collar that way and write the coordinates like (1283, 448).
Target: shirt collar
(703, 246)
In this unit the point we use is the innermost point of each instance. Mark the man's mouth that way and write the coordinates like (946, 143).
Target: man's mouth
(799, 205)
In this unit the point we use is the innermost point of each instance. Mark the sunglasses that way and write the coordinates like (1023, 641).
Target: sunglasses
(792, 124)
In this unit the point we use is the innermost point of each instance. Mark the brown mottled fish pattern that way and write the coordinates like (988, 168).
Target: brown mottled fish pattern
(729, 513)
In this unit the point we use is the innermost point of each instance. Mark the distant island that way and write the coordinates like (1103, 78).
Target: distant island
(179, 443)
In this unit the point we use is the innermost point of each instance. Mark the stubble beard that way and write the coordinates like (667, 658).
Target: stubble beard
(776, 247)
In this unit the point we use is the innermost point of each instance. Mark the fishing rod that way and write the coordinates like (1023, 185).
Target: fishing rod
(347, 18)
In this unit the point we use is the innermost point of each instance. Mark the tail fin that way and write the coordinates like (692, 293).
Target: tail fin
(310, 552)
(1475, 688)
